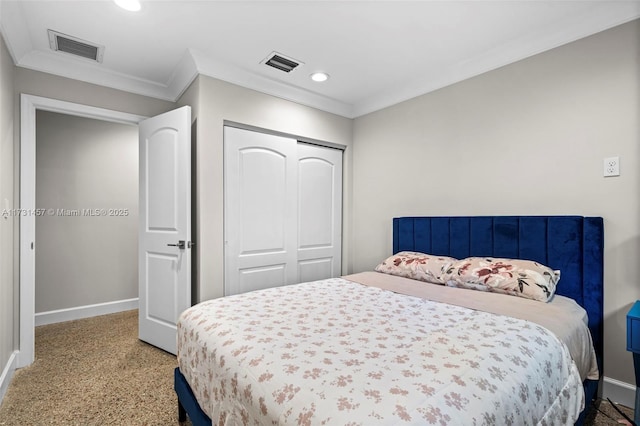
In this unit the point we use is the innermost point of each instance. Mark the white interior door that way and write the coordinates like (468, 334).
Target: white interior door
(260, 206)
(165, 226)
(319, 212)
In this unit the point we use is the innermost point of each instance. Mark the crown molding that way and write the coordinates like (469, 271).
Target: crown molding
(15, 30)
(185, 72)
(81, 70)
(241, 77)
(13, 26)
(598, 19)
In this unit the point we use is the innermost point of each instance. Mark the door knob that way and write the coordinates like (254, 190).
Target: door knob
(181, 245)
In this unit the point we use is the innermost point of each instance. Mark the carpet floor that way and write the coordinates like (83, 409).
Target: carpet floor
(95, 371)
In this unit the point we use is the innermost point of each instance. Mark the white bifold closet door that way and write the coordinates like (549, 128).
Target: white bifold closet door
(283, 211)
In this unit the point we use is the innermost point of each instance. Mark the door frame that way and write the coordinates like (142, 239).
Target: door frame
(29, 104)
(298, 138)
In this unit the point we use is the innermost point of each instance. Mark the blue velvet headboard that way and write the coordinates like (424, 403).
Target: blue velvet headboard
(572, 244)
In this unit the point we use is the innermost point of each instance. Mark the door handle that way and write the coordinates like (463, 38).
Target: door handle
(181, 245)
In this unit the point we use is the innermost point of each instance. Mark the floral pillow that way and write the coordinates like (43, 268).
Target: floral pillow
(523, 278)
(417, 266)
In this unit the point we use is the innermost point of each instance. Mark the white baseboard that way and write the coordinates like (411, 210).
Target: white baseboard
(88, 311)
(7, 374)
(620, 392)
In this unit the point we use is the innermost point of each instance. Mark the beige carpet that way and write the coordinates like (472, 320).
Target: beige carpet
(93, 372)
(96, 372)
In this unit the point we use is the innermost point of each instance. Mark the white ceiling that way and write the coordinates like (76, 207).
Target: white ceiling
(378, 53)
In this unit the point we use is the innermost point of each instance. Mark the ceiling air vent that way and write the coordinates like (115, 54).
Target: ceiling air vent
(72, 45)
(281, 62)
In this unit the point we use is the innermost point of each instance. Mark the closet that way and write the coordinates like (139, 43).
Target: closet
(282, 210)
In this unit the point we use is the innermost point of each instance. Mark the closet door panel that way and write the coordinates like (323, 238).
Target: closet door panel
(315, 269)
(315, 192)
(262, 182)
(260, 206)
(319, 212)
(283, 211)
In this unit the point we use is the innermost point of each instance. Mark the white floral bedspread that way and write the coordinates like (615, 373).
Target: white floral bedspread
(334, 352)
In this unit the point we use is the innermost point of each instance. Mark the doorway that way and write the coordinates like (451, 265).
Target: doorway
(29, 104)
(87, 192)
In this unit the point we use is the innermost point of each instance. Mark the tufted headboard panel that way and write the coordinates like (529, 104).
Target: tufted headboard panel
(572, 244)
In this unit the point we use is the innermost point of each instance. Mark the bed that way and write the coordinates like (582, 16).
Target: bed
(346, 350)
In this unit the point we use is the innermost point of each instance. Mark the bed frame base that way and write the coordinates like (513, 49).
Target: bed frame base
(187, 403)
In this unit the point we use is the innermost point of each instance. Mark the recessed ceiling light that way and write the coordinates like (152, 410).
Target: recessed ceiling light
(130, 5)
(319, 76)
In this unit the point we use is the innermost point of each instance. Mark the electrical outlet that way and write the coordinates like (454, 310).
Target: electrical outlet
(611, 166)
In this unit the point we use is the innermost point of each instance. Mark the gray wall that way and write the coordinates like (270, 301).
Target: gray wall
(214, 101)
(8, 297)
(65, 89)
(528, 138)
(83, 163)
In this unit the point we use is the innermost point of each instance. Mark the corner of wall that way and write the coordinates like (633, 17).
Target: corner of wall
(8, 293)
